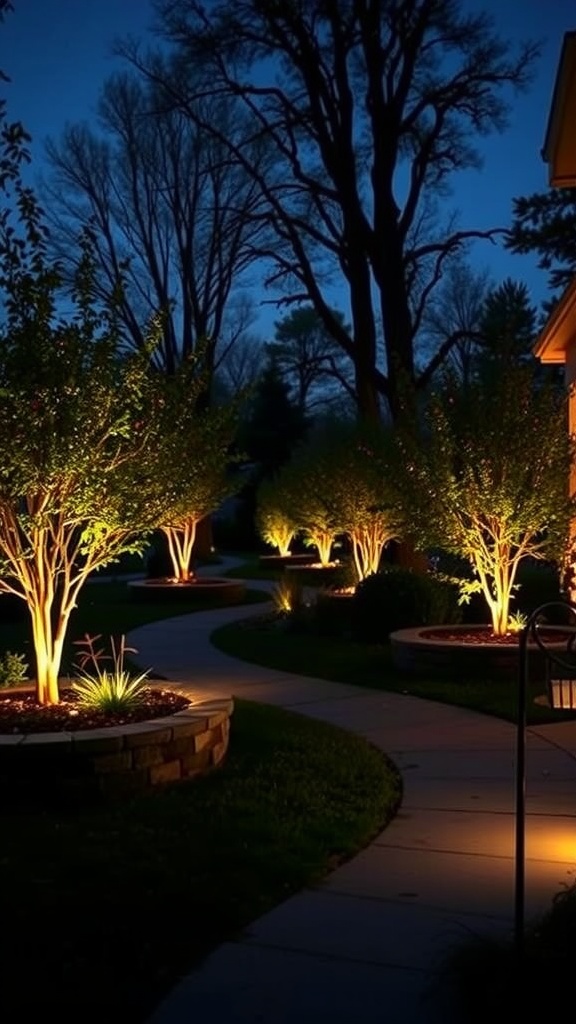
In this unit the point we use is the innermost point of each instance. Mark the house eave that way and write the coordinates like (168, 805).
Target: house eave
(559, 150)
(558, 335)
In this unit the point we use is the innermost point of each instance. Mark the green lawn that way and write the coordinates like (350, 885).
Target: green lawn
(103, 909)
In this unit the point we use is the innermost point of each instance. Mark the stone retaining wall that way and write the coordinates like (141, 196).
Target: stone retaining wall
(120, 759)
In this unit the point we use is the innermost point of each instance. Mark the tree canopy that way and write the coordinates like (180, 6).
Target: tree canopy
(490, 480)
(191, 462)
(369, 108)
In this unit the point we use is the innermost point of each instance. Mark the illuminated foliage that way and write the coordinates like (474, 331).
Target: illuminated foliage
(74, 428)
(274, 518)
(490, 481)
(363, 488)
(191, 462)
(307, 483)
(341, 484)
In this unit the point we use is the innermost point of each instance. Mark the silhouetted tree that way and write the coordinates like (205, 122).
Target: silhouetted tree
(309, 359)
(369, 107)
(167, 211)
(455, 311)
(507, 326)
(545, 224)
(274, 424)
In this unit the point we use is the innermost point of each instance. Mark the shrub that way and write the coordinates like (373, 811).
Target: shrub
(398, 598)
(107, 689)
(13, 670)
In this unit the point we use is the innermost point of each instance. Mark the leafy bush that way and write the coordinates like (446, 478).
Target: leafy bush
(13, 669)
(398, 598)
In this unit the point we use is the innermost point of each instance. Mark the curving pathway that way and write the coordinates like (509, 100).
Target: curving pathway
(368, 945)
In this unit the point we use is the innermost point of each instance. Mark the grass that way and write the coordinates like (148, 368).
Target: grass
(343, 661)
(107, 907)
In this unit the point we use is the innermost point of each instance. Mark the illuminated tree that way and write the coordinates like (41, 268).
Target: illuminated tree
(75, 428)
(308, 489)
(73, 416)
(363, 490)
(274, 518)
(489, 483)
(341, 483)
(191, 469)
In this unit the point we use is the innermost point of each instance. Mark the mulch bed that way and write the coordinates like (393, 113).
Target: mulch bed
(20, 713)
(486, 636)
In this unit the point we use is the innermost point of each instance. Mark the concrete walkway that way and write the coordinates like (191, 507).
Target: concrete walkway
(369, 944)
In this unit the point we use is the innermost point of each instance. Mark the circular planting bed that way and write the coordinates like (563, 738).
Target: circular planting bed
(467, 650)
(73, 764)
(214, 588)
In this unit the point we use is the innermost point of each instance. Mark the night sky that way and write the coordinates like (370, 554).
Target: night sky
(57, 53)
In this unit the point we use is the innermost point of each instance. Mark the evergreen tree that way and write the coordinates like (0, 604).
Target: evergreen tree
(507, 327)
(545, 224)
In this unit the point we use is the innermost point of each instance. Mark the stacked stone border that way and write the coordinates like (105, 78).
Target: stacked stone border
(119, 759)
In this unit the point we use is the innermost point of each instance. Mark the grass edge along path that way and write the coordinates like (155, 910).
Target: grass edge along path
(109, 906)
(341, 660)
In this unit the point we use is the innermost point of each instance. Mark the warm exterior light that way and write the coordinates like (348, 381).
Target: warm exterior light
(562, 694)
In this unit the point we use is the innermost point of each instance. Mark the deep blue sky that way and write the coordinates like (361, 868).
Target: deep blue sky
(57, 53)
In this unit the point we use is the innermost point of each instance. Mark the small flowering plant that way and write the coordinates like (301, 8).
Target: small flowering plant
(103, 682)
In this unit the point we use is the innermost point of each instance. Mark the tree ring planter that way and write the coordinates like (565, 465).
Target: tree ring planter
(115, 761)
(464, 651)
(281, 561)
(219, 589)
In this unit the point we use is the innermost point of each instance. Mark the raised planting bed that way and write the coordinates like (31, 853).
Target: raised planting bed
(467, 650)
(66, 766)
(219, 589)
